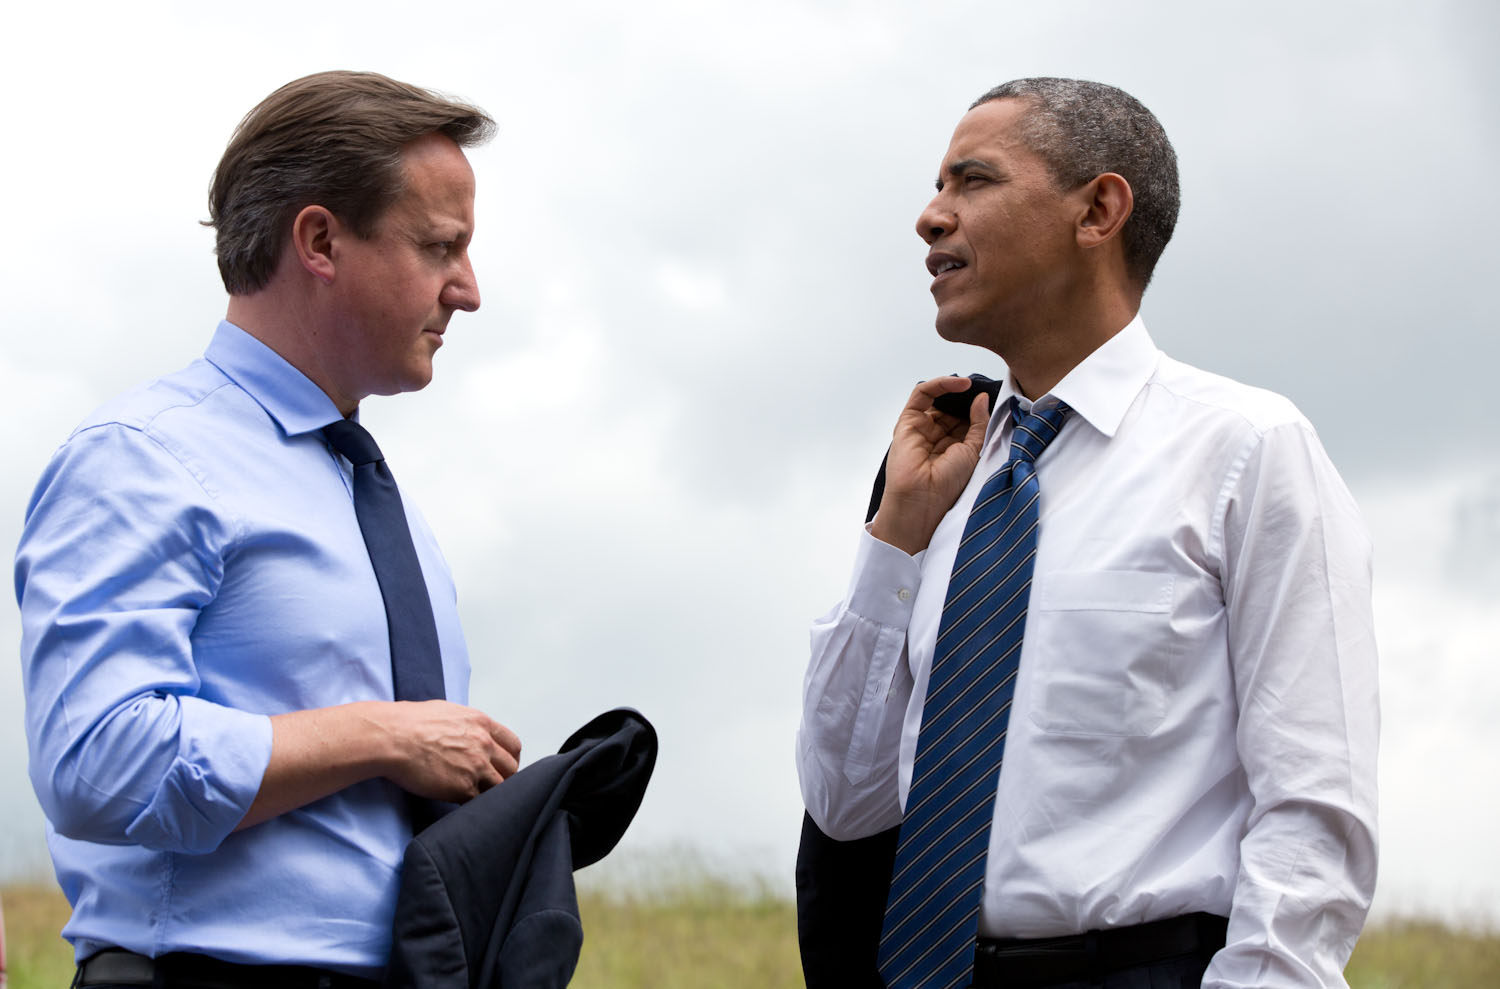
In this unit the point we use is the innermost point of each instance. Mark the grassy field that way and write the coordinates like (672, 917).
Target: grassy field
(709, 934)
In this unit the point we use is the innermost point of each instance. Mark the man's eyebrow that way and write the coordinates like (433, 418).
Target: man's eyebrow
(963, 166)
(446, 230)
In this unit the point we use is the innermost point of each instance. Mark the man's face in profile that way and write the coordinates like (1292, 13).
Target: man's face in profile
(999, 230)
(398, 289)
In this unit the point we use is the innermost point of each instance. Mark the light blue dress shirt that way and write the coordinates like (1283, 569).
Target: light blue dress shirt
(191, 564)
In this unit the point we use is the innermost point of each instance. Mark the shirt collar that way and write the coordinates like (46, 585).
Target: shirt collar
(287, 395)
(1105, 383)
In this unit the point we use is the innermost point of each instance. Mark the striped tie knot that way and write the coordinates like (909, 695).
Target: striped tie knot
(1034, 429)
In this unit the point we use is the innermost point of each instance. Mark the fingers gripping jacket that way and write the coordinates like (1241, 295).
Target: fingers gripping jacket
(487, 897)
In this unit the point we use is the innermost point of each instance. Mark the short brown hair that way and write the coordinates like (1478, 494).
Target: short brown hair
(333, 139)
(1081, 130)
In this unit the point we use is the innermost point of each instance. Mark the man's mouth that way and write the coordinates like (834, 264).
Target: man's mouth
(941, 264)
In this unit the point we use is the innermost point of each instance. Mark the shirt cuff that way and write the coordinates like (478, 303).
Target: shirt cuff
(885, 581)
(221, 760)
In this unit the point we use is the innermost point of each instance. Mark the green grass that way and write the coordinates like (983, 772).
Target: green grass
(35, 955)
(1421, 954)
(707, 933)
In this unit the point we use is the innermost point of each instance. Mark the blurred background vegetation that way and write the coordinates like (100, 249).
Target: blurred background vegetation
(704, 932)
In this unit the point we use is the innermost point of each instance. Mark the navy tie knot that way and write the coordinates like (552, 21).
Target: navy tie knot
(353, 441)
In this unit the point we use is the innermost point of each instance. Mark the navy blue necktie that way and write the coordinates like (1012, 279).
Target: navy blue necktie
(932, 914)
(416, 658)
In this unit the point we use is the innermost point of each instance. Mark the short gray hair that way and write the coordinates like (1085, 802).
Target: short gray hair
(1083, 129)
(331, 139)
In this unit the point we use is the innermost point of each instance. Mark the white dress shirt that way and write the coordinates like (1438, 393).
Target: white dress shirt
(1195, 721)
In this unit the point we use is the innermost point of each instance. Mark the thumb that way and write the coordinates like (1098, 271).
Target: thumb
(979, 422)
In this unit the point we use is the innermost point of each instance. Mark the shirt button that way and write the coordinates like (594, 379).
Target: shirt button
(904, 594)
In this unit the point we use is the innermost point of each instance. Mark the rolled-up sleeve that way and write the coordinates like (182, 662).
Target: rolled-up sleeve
(121, 549)
(855, 695)
(1302, 647)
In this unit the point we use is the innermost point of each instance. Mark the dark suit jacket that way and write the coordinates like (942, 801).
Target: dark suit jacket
(842, 886)
(487, 896)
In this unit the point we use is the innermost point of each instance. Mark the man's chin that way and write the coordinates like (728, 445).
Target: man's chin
(983, 333)
(414, 379)
(417, 383)
(956, 328)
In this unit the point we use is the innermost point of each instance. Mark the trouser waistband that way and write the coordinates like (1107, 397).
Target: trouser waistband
(118, 967)
(1032, 962)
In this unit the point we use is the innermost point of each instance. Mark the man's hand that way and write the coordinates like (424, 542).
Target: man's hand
(431, 748)
(932, 457)
(447, 751)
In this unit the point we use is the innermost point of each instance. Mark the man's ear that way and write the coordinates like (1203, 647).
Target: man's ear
(313, 234)
(1108, 202)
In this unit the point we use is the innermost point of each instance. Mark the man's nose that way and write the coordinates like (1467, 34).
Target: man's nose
(934, 222)
(463, 291)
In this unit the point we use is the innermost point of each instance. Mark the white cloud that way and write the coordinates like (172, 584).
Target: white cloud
(1440, 687)
(693, 288)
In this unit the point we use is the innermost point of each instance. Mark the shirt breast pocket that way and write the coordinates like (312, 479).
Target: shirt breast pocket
(1101, 649)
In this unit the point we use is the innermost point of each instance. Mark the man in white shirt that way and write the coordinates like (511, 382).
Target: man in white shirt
(1194, 721)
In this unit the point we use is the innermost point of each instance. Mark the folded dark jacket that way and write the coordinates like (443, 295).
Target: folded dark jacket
(487, 897)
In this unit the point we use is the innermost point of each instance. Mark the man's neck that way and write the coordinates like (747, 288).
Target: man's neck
(1042, 354)
(270, 318)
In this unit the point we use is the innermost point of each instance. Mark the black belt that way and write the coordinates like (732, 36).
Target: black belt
(115, 966)
(1033, 962)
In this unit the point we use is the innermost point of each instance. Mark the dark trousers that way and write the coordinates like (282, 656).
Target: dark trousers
(1185, 972)
(115, 968)
(1160, 954)
(168, 982)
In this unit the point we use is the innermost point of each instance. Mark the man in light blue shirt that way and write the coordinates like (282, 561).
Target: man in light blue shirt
(208, 679)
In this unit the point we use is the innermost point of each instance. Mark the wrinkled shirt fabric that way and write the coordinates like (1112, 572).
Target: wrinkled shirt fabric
(190, 565)
(1195, 721)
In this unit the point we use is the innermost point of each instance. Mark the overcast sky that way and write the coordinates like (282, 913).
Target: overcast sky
(647, 455)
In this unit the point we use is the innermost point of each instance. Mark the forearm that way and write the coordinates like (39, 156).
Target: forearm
(431, 748)
(855, 697)
(312, 754)
(319, 752)
(163, 771)
(1307, 873)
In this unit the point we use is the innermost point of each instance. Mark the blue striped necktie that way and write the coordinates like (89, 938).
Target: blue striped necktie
(932, 915)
